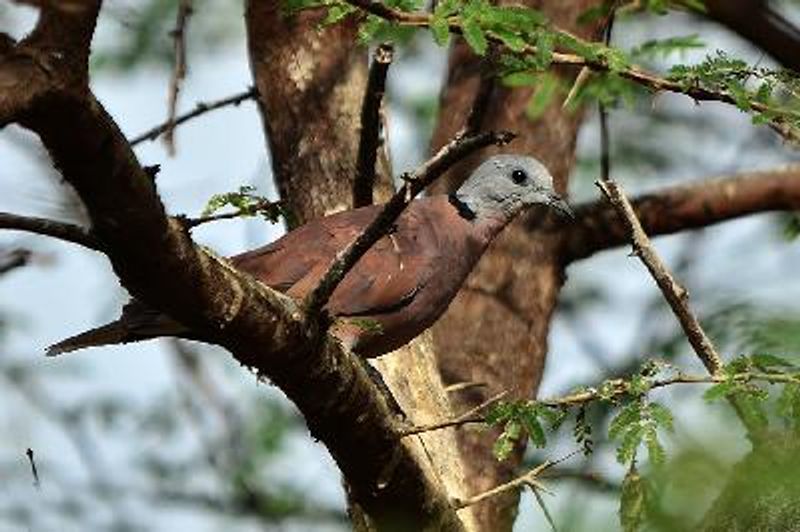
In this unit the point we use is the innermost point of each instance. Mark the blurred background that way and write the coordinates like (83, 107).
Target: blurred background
(171, 435)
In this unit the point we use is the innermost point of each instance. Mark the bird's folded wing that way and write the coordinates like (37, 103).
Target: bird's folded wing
(385, 279)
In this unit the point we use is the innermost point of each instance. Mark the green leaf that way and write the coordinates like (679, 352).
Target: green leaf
(788, 406)
(628, 417)
(718, 391)
(510, 39)
(474, 35)
(505, 442)
(520, 79)
(654, 448)
(632, 501)
(662, 416)
(626, 451)
(546, 89)
(441, 30)
(534, 428)
(767, 362)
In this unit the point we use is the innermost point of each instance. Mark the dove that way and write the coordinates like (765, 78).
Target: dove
(401, 285)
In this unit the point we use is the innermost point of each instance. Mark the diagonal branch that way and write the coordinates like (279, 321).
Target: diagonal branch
(371, 126)
(200, 109)
(675, 294)
(452, 152)
(43, 226)
(679, 208)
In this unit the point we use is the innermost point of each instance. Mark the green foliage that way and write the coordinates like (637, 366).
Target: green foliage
(663, 48)
(746, 86)
(522, 419)
(638, 422)
(632, 498)
(246, 204)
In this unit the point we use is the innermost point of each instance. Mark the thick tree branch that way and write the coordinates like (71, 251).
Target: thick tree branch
(757, 22)
(60, 230)
(369, 143)
(457, 149)
(160, 265)
(674, 209)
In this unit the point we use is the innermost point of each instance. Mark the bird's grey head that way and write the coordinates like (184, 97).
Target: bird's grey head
(504, 185)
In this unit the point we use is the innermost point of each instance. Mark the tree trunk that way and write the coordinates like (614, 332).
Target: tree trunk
(312, 85)
(508, 301)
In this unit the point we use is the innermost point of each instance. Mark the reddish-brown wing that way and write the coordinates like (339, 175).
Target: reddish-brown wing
(385, 279)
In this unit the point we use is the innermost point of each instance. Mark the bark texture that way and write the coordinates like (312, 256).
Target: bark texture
(495, 332)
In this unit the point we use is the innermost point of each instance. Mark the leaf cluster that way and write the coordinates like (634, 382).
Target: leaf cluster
(246, 203)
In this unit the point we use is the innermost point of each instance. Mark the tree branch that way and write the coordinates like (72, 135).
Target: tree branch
(185, 10)
(458, 148)
(757, 22)
(371, 126)
(674, 209)
(159, 264)
(675, 294)
(641, 77)
(60, 230)
(200, 109)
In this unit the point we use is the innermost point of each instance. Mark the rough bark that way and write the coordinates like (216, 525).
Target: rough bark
(495, 332)
(45, 81)
(312, 85)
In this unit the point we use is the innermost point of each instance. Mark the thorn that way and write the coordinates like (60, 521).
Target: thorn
(152, 170)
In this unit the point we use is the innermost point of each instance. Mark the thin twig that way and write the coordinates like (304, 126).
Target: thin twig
(470, 416)
(179, 71)
(371, 126)
(675, 294)
(460, 147)
(461, 386)
(60, 230)
(200, 109)
(613, 390)
(34, 471)
(528, 479)
(13, 259)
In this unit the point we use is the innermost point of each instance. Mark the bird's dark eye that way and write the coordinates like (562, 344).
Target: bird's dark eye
(519, 176)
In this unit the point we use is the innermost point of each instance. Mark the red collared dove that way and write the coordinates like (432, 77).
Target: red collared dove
(401, 285)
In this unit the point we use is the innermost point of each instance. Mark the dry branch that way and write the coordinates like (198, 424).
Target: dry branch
(200, 109)
(675, 294)
(60, 230)
(179, 70)
(371, 126)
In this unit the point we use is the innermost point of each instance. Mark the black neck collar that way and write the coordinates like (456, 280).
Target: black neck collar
(464, 210)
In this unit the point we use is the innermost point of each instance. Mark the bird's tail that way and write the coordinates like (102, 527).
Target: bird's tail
(115, 332)
(137, 323)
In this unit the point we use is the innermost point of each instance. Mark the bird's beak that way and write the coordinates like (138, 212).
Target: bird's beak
(561, 206)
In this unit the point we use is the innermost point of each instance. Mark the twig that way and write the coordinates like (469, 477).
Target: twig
(200, 109)
(543, 506)
(179, 71)
(60, 230)
(452, 152)
(461, 386)
(528, 479)
(34, 471)
(641, 77)
(470, 416)
(371, 126)
(13, 259)
(262, 207)
(675, 294)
